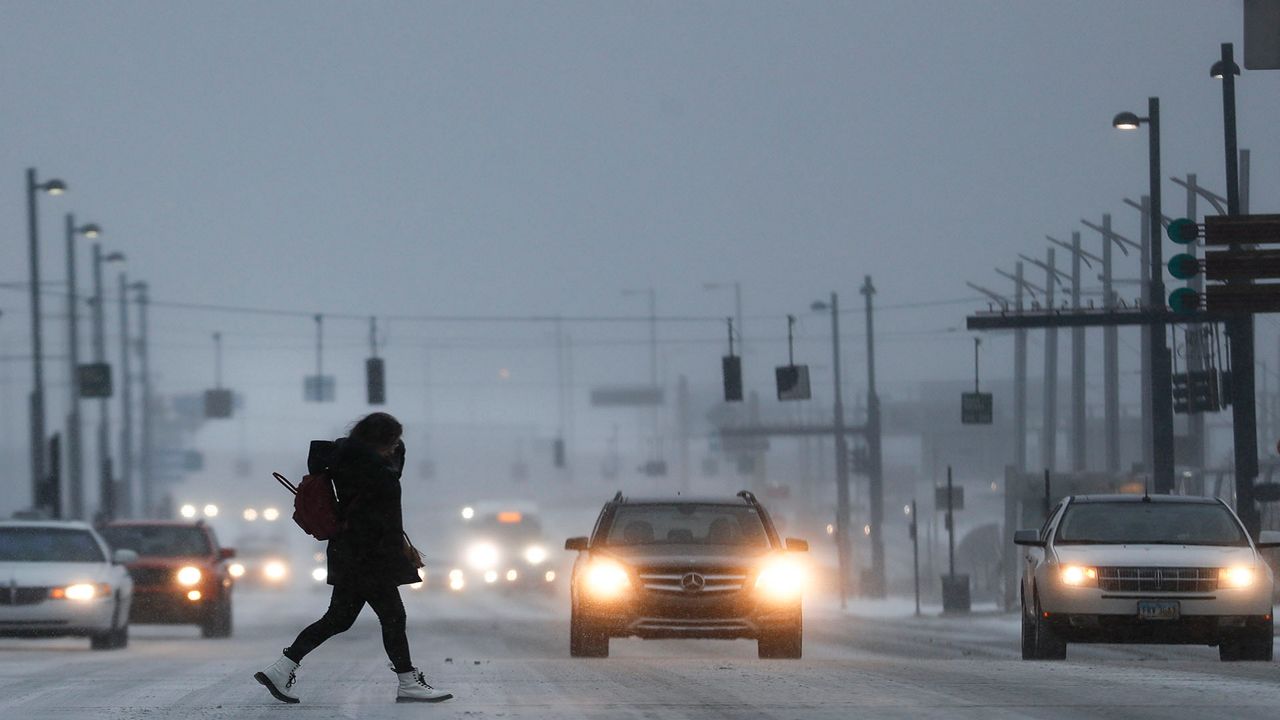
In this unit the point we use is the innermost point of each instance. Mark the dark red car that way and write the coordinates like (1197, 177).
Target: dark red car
(181, 575)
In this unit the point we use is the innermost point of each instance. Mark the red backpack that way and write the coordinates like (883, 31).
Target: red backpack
(315, 505)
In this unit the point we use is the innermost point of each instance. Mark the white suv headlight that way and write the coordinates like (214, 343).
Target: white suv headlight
(1236, 577)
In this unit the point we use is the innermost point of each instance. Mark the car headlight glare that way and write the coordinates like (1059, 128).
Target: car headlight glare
(81, 591)
(236, 569)
(482, 556)
(1077, 576)
(275, 571)
(782, 579)
(1235, 577)
(607, 579)
(320, 574)
(535, 554)
(189, 576)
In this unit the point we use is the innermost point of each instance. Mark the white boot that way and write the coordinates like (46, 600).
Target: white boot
(279, 678)
(414, 688)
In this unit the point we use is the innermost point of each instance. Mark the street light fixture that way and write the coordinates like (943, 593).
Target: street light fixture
(75, 451)
(1161, 371)
(1216, 72)
(52, 187)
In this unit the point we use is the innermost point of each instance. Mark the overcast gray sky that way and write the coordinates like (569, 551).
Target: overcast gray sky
(537, 158)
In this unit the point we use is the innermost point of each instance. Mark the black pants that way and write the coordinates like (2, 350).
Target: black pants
(344, 606)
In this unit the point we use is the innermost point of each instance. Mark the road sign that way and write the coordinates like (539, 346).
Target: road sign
(1223, 265)
(626, 396)
(95, 380)
(976, 408)
(793, 382)
(1261, 35)
(375, 376)
(1241, 229)
(731, 369)
(940, 497)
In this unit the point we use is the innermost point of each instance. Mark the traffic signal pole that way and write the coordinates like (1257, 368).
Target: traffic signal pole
(1161, 362)
(876, 472)
(1240, 330)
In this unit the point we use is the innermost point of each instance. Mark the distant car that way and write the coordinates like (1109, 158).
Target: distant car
(61, 578)
(181, 575)
(686, 568)
(1145, 569)
(501, 547)
(263, 561)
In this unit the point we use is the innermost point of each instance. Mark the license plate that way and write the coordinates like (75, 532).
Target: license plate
(1158, 610)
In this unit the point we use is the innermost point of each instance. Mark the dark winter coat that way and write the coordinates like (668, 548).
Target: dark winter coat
(369, 550)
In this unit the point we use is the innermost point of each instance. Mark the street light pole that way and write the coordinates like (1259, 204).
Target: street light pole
(876, 483)
(106, 489)
(126, 405)
(144, 360)
(75, 445)
(53, 187)
(842, 453)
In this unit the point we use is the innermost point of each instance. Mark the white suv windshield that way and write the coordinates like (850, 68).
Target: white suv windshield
(1149, 523)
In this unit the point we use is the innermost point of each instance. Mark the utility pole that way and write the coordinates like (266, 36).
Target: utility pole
(877, 585)
(126, 405)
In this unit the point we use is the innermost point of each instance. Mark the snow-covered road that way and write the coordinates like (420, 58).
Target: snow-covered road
(508, 658)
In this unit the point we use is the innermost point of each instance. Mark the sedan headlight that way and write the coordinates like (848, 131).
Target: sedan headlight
(236, 569)
(1077, 576)
(607, 579)
(535, 554)
(482, 556)
(275, 571)
(189, 576)
(320, 574)
(782, 579)
(80, 591)
(1235, 577)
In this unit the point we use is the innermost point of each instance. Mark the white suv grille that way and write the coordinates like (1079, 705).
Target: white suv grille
(1157, 579)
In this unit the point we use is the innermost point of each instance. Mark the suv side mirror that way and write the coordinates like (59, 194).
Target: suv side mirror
(797, 545)
(1268, 539)
(226, 553)
(576, 543)
(123, 557)
(1030, 538)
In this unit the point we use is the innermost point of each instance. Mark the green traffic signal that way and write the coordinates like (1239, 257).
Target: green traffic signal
(1184, 301)
(1184, 266)
(1183, 231)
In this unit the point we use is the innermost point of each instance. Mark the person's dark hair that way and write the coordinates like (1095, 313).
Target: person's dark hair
(377, 429)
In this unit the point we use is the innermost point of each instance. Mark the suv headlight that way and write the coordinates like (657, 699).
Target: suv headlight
(607, 579)
(189, 576)
(535, 554)
(1079, 576)
(781, 579)
(482, 556)
(1236, 577)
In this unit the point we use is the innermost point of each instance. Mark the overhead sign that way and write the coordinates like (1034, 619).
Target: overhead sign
(627, 396)
(793, 382)
(976, 408)
(95, 380)
(217, 403)
(318, 388)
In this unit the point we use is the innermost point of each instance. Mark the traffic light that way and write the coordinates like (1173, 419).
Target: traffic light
(731, 369)
(1184, 301)
(375, 381)
(1235, 259)
(217, 403)
(1184, 266)
(1181, 402)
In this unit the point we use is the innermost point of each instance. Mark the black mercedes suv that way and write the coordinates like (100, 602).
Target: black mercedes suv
(686, 568)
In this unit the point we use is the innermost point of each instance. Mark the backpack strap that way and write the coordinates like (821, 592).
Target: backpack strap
(285, 482)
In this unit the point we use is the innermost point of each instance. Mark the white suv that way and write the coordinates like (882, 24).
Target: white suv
(1145, 569)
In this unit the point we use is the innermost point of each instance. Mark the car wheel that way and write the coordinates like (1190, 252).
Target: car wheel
(114, 639)
(786, 643)
(217, 623)
(585, 640)
(1048, 646)
(1028, 633)
(1257, 646)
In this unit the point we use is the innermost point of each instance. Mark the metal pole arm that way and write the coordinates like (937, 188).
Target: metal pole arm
(1119, 239)
(1025, 283)
(1217, 201)
(1085, 255)
(1164, 219)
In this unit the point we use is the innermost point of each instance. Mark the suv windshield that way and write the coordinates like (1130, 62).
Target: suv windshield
(1149, 523)
(687, 524)
(48, 545)
(163, 541)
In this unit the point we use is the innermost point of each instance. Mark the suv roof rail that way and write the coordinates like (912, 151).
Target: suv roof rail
(748, 496)
(618, 497)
